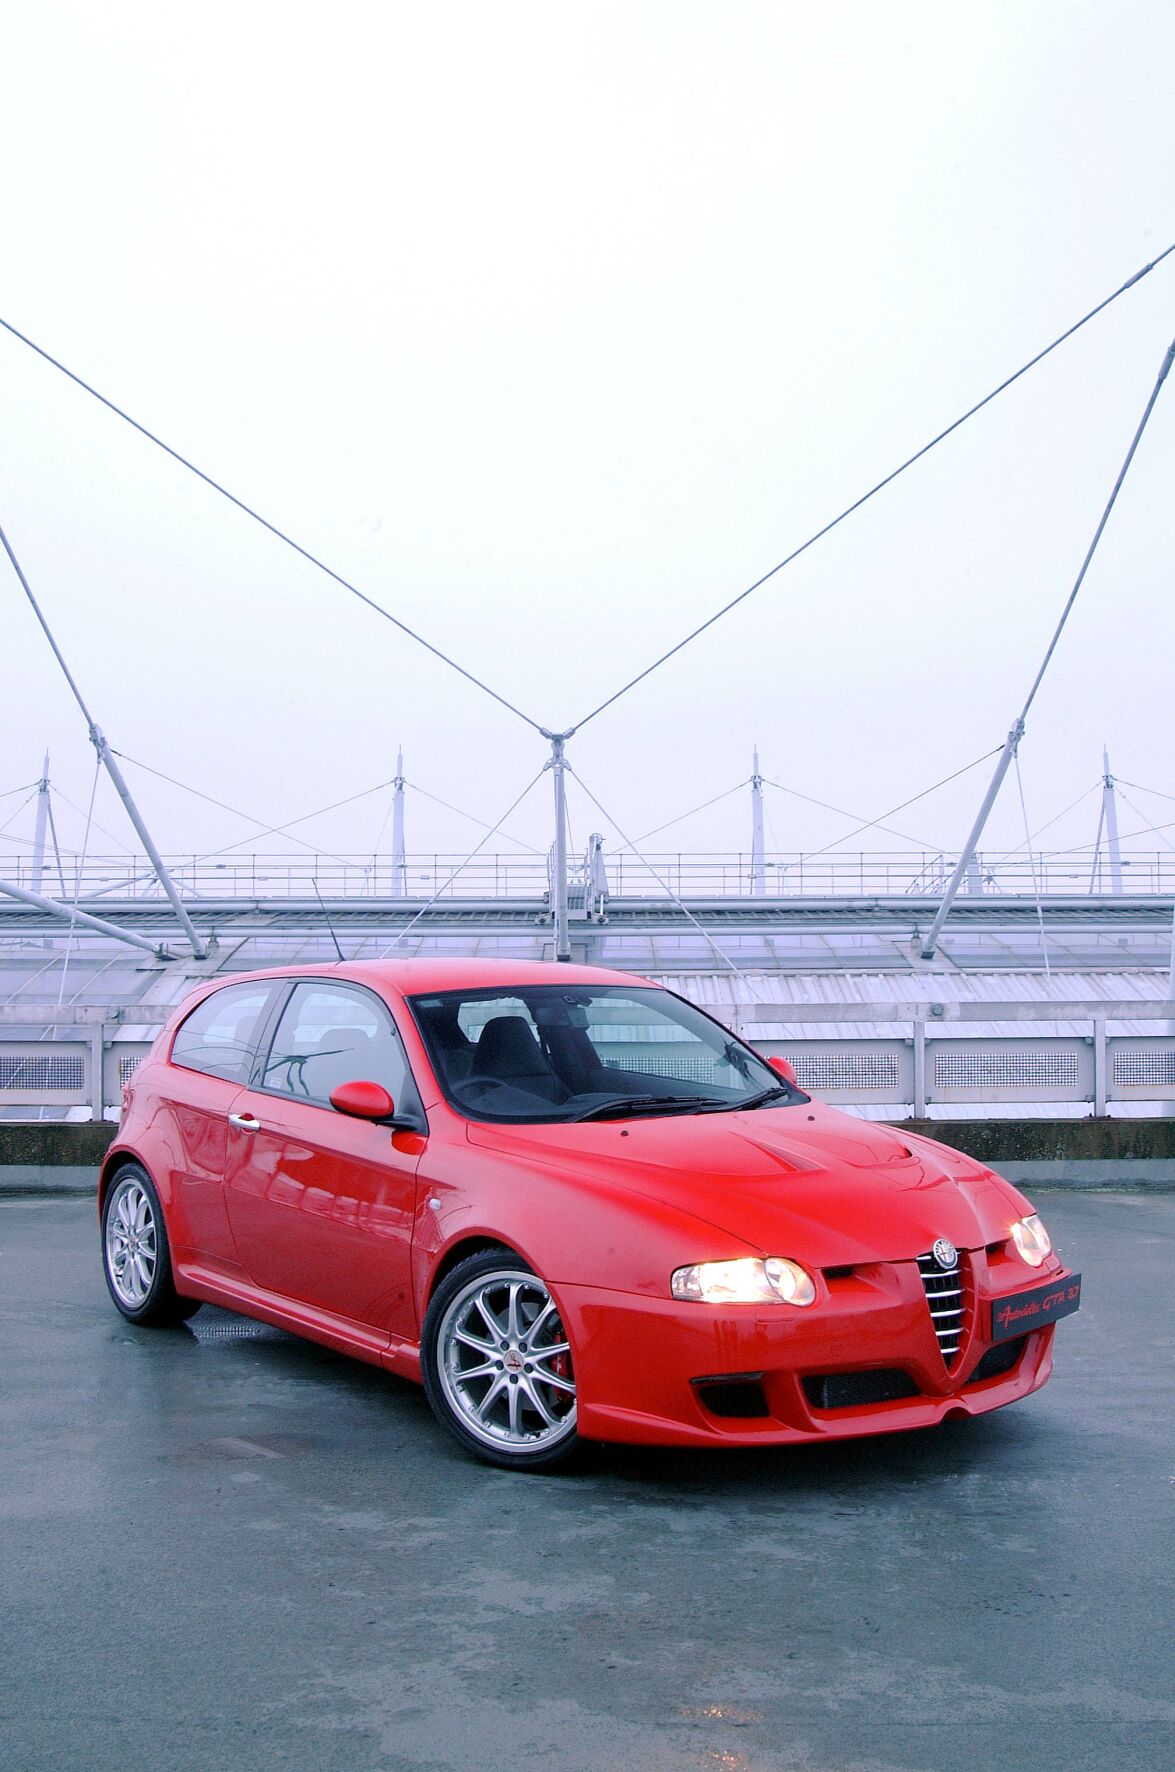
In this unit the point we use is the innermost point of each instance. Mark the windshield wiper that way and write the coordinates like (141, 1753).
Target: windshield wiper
(623, 1104)
(763, 1097)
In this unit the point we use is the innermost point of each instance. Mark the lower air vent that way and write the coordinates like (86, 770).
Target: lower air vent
(944, 1294)
(998, 1360)
(741, 1394)
(854, 1390)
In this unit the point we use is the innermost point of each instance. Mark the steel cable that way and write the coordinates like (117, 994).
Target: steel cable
(273, 529)
(874, 490)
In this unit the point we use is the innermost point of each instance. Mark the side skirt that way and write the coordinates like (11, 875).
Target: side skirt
(358, 1340)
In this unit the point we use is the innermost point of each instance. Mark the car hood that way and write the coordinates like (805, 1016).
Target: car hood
(805, 1181)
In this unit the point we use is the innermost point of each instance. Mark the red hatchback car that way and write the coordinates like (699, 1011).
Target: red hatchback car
(573, 1205)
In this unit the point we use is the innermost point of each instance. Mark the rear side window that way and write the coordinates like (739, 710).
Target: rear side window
(218, 1035)
(330, 1035)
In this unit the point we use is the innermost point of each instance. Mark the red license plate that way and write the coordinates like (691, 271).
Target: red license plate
(1022, 1311)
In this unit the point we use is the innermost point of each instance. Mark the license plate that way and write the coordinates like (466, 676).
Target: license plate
(1021, 1311)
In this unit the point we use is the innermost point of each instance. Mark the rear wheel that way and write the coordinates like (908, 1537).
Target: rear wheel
(136, 1258)
(497, 1364)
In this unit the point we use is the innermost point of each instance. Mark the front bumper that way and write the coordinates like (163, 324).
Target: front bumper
(646, 1366)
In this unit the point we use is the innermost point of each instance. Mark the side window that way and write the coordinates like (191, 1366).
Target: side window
(329, 1035)
(217, 1036)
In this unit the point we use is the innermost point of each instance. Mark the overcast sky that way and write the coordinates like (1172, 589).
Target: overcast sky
(554, 328)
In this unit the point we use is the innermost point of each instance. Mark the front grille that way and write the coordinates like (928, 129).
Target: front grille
(944, 1295)
(855, 1390)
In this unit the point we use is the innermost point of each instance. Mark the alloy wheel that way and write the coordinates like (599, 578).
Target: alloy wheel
(504, 1363)
(132, 1250)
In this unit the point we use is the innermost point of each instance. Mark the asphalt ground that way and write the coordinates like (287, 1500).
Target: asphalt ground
(225, 1548)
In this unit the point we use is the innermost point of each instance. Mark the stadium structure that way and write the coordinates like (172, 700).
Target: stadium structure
(902, 985)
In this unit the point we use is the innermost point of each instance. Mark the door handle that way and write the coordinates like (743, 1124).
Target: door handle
(244, 1122)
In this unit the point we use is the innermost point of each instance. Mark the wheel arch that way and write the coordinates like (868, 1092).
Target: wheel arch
(116, 1158)
(459, 1252)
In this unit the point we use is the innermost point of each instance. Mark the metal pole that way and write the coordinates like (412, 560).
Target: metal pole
(989, 799)
(399, 870)
(559, 883)
(98, 739)
(1017, 732)
(106, 757)
(758, 876)
(70, 913)
(1110, 808)
(38, 872)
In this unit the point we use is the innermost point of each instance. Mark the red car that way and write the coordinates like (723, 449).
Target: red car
(573, 1205)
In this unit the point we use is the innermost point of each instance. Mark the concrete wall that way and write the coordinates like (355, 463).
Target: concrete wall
(56, 1158)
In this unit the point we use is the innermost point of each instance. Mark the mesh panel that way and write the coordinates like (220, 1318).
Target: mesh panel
(687, 1070)
(1005, 1070)
(128, 1066)
(1145, 1070)
(42, 1070)
(876, 1071)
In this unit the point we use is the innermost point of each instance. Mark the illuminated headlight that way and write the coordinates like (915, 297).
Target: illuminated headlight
(748, 1281)
(1032, 1240)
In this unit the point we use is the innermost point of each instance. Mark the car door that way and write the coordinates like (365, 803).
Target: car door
(211, 1058)
(322, 1204)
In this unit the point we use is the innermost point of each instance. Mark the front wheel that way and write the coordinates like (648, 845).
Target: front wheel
(497, 1364)
(136, 1258)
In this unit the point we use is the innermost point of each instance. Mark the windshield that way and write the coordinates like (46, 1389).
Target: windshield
(576, 1052)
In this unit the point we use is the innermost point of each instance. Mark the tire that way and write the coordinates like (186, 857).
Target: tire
(136, 1257)
(497, 1364)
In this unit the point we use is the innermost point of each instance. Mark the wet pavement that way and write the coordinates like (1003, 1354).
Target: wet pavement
(224, 1548)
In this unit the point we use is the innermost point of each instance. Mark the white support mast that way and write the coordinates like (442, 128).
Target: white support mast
(1012, 742)
(399, 865)
(758, 871)
(109, 762)
(41, 827)
(1110, 818)
(559, 852)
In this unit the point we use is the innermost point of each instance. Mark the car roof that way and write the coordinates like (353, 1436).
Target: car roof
(409, 977)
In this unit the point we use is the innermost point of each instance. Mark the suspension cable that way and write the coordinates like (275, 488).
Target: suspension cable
(682, 816)
(471, 816)
(81, 868)
(1139, 789)
(666, 887)
(460, 870)
(872, 824)
(273, 529)
(1044, 944)
(874, 490)
(263, 829)
(1041, 829)
(1156, 830)
(876, 823)
(117, 841)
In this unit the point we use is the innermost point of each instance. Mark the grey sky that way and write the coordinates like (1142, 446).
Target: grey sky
(553, 328)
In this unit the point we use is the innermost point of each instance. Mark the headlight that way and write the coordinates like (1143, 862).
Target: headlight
(748, 1281)
(1032, 1240)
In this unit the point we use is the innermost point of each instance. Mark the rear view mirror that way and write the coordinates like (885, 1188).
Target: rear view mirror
(785, 1070)
(364, 1100)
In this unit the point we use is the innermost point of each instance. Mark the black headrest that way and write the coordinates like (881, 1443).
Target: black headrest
(507, 1048)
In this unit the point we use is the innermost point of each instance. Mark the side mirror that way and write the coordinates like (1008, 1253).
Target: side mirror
(365, 1101)
(786, 1070)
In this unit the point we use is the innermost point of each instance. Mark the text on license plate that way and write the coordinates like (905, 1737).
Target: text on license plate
(1032, 1309)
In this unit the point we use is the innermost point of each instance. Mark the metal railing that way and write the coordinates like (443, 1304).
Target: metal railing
(492, 877)
(914, 1068)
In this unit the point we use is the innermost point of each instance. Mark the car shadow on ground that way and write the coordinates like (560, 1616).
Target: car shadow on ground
(857, 1468)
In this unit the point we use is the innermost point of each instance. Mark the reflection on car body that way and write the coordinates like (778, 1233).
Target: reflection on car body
(573, 1205)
